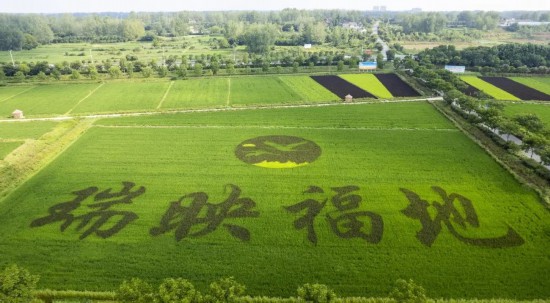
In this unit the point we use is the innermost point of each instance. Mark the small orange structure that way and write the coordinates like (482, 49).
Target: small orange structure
(17, 114)
(348, 98)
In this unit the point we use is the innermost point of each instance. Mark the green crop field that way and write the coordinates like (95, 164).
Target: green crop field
(370, 83)
(261, 91)
(377, 192)
(123, 96)
(489, 89)
(47, 99)
(198, 93)
(7, 92)
(25, 130)
(308, 89)
(541, 110)
(8, 147)
(539, 83)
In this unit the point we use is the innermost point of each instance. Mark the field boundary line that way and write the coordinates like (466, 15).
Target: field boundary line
(165, 94)
(275, 127)
(228, 92)
(13, 140)
(81, 100)
(19, 93)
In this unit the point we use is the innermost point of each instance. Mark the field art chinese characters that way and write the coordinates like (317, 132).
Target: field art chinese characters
(103, 219)
(453, 218)
(344, 218)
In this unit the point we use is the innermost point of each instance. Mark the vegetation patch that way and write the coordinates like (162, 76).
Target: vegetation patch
(25, 129)
(370, 83)
(489, 89)
(7, 92)
(541, 110)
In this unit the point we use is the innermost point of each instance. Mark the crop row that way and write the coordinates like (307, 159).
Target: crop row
(511, 89)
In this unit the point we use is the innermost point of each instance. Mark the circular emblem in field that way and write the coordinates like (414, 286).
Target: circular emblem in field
(278, 151)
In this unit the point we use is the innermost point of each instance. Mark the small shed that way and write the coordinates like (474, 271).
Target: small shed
(348, 98)
(17, 114)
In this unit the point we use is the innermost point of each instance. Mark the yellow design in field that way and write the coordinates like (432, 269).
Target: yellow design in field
(249, 145)
(275, 164)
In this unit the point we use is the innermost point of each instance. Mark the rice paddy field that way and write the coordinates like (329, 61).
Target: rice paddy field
(370, 83)
(539, 83)
(8, 147)
(353, 196)
(541, 110)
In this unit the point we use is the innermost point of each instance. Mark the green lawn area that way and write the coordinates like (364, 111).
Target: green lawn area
(49, 99)
(8, 147)
(261, 91)
(194, 93)
(124, 97)
(25, 130)
(7, 92)
(372, 158)
(489, 89)
(308, 89)
(370, 83)
(539, 83)
(541, 110)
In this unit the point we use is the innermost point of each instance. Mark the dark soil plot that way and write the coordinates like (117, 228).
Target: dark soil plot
(517, 89)
(396, 86)
(471, 91)
(341, 87)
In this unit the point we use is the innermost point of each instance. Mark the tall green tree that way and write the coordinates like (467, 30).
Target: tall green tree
(16, 285)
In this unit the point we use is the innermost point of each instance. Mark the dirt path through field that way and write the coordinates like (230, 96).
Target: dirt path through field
(165, 94)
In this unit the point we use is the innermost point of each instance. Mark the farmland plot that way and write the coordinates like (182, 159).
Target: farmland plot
(396, 86)
(194, 93)
(488, 88)
(261, 91)
(123, 96)
(541, 110)
(8, 147)
(351, 216)
(341, 87)
(541, 84)
(517, 89)
(308, 89)
(51, 99)
(369, 83)
(25, 129)
(7, 92)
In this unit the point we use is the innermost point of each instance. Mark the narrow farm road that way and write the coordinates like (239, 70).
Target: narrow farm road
(385, 46)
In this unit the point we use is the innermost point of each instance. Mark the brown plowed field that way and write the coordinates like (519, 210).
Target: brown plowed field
(396, 86)
(517, 89)
(341, 87)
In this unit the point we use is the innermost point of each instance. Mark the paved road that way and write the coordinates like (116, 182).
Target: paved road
(385, 46)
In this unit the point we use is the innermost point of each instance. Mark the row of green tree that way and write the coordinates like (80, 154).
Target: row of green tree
(502, 57)
(17, 285)
(434, 22)
(481, 109)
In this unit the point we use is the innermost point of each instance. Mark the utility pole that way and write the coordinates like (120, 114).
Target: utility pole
(12, 62)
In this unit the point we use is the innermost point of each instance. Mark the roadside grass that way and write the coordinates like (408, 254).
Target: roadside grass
(195, 93)
(123, 96)
(8, 147)
(370, 83)
(539, 109)
(378, 156)
(261, 91)
(308, 89)
(539, 83)
(489, 89)
(25, 129)
(55, 99)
